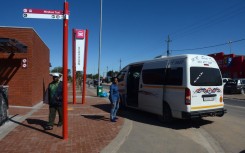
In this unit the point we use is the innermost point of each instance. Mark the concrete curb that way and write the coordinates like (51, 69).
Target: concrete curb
(116, 143)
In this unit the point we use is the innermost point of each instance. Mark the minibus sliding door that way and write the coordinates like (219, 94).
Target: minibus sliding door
(133, 79)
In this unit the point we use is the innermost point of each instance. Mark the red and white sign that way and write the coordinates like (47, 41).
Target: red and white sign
(79, 48)
(38, 11)
(42, 14)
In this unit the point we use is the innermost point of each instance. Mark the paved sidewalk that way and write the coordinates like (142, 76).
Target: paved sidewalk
(89, 131)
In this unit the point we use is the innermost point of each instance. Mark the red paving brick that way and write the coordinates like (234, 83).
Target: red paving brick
(89, 129)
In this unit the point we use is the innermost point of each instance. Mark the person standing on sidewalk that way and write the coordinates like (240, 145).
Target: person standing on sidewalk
(55, 90)
(114, 99)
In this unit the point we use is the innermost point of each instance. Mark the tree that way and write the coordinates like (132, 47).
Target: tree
(60, 70)
(112, 73)
(79, 74)
(57, 70)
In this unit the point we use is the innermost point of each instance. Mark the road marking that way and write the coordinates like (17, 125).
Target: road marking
(235, 106)
(203, 138)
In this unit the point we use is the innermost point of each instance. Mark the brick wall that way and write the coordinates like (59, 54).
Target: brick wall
(234, 69)
(26, 85)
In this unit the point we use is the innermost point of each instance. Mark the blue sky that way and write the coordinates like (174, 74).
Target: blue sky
(135, 30)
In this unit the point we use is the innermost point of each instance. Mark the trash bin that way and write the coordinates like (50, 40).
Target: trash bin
(3, 104)
(99, 90)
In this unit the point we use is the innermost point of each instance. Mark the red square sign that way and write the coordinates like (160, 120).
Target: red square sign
(80, 34)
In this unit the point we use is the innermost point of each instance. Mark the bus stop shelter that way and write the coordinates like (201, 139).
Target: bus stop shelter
(11, 46)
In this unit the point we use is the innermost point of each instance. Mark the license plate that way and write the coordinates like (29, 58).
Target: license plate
(208, 98)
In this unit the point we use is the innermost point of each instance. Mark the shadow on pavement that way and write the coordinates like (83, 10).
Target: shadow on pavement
(152, 119)
(96, 117)
(179, 124)
(38, 122)
(104, 107)
(42, 123)
(148, 118)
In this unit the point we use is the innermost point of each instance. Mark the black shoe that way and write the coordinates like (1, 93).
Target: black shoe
(59, 124)
(49, 127)
(113, 120)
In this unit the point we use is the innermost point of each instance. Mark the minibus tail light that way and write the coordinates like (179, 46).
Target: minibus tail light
(187, 96)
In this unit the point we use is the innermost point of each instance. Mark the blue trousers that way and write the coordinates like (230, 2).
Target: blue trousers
(114, 108)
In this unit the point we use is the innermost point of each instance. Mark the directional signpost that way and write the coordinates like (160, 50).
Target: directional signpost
(55, 14)
(42, 14)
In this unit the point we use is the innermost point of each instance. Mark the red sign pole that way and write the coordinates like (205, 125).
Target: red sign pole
(65, 71)
(85, 67)
(74, 64)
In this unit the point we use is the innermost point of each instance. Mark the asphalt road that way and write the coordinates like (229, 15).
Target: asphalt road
(209, 135)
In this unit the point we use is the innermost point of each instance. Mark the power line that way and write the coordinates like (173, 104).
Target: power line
(217, 17)
(209, 46)
(208, 21)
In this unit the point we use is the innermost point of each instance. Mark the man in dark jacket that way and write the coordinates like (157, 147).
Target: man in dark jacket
(55, 101)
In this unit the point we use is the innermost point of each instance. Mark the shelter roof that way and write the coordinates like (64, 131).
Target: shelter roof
(8, 45)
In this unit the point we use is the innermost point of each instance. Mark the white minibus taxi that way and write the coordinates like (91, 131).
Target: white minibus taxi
(183, 86)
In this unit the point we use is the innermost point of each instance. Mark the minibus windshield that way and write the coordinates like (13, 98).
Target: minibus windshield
(203, 76)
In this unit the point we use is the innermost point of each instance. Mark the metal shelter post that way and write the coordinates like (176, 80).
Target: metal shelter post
(65, 70)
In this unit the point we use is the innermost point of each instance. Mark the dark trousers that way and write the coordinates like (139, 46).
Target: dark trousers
(52, 114)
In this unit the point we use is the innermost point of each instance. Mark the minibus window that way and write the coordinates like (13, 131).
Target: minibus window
(174, 76)
(120, 76)
(202, 76)
(153, 76)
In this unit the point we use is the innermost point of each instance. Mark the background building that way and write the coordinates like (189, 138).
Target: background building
(24, 65)
(231, 65)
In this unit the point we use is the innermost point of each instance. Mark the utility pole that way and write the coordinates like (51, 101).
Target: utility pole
(120, 64)
(230, 42)
(107, 71)
(168, 41)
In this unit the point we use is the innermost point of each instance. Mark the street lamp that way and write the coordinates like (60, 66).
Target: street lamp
(101, 1)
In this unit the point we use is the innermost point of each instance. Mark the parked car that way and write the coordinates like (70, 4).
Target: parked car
(225, 80)
(235, 86)
(96, 82)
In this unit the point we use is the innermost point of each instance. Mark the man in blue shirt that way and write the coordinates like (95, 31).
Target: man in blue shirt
(114, 99)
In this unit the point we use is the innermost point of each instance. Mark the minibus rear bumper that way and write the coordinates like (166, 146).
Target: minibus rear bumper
(204, 113)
